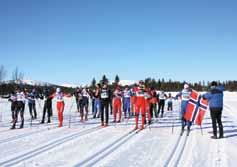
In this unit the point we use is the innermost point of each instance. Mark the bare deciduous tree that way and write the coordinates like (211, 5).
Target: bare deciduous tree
(17, 75)
(3, 73)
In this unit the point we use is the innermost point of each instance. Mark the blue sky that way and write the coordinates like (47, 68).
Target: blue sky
(72, 41)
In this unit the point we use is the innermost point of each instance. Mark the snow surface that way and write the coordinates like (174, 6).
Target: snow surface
(89, 145)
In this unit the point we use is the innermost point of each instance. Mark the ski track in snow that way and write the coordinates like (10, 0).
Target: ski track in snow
(46, 147)
(90, 145)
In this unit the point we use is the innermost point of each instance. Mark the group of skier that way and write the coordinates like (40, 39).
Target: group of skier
(142, 100)
(133, 101)
(130, 102)
(18, 102)
(20, 97)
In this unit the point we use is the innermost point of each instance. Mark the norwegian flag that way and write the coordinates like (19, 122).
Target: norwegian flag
(196, 108)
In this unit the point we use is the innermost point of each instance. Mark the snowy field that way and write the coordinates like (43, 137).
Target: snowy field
(90, 145)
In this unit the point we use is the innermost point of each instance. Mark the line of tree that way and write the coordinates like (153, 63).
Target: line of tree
(7, 88)
(169, 85)
(160, 84)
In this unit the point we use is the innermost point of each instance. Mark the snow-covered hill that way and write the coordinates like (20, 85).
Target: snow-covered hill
(30, 82)
(36, 83)
(69, 85)
(126, 82)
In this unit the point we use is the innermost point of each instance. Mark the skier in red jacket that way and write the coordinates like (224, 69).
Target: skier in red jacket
(140, 104)
(60, 104)
(117, 103)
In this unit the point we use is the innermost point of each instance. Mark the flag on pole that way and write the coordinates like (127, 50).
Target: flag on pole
(196, 108)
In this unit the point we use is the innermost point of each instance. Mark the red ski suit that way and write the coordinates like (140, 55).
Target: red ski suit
(117, 104)
(60, 105)
(140, 105)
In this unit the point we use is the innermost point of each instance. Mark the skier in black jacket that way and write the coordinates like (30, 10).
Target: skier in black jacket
(12, 98)
(47, 106)
(105, 99)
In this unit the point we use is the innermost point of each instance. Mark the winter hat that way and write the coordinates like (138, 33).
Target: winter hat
(186, 86)
(214, 83)
(58, 90)
(141, 82)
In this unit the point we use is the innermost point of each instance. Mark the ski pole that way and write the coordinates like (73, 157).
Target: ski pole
(70, 115)
(201, 130)
(173, 118)
(127, 121)
(31, 122)
(172, 122)
(39, 106)
(1, 116)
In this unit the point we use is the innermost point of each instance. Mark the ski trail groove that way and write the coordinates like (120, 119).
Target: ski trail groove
(47, 147)
(10, 139)
(181, 151)
(172, 152)
(177, 152)
(103, 153)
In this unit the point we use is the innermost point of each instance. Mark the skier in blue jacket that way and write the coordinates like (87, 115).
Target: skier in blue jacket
(31, 103)
(127, 102)
(215, 100)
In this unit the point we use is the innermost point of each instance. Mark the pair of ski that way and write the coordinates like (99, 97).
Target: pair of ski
(182, 133)
(136, 131)
(14, 128)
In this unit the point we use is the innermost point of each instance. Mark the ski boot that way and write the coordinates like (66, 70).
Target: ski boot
(149, 122)
(188, 132)
(13, 127)
(48, 121)
(214, 137)
(221, 136)
(182, 132)
(136, 128)
(60, 125)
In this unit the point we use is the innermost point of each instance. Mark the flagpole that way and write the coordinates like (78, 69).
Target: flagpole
(201, 130)
(172, 122)
(179, 106)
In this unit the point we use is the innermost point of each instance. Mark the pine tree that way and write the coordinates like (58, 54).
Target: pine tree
(148, 82)
(93, 83)
(104, 79)
(116, 80)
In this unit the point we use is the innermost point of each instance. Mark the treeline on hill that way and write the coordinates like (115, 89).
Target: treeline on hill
(174, 86)
(7, 88)
(160, 84)
(177, 85)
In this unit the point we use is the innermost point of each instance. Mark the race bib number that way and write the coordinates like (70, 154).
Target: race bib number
(140, 93)
(104, 95)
